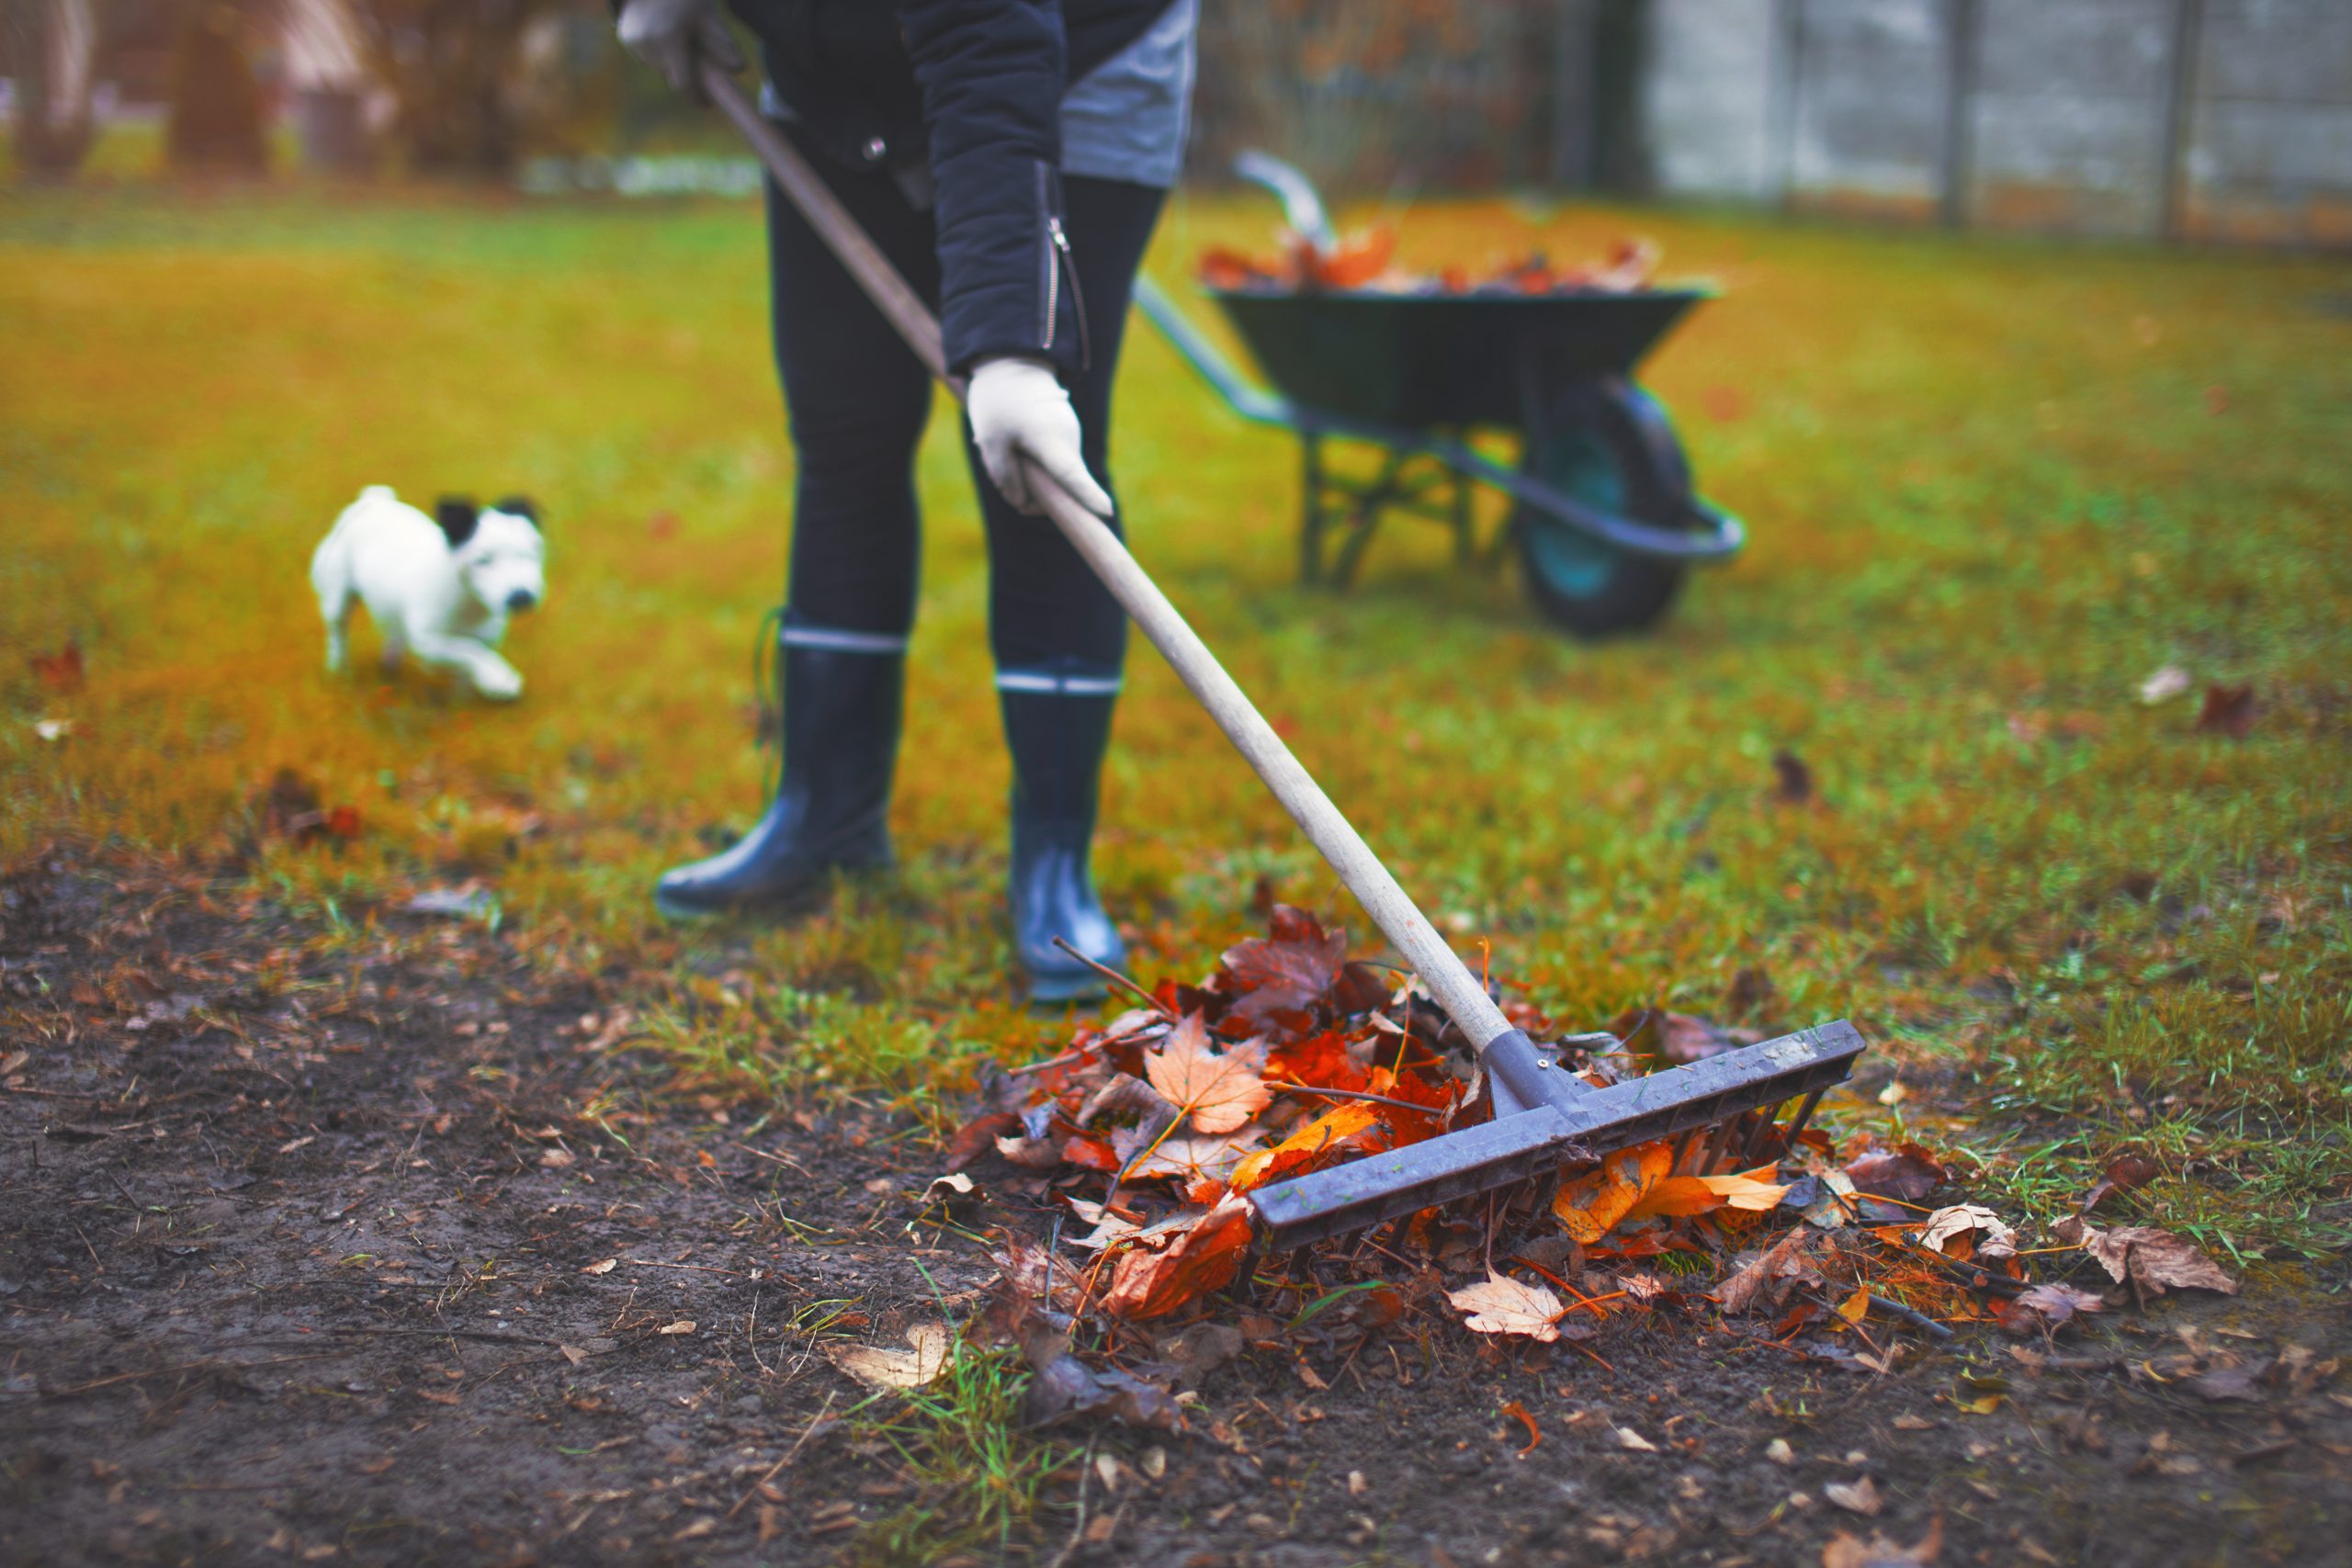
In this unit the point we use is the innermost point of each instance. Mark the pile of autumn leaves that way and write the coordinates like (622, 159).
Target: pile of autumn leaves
(1365, 259)
(1149, 1135)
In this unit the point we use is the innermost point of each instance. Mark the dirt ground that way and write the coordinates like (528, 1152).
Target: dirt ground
(377, 1252)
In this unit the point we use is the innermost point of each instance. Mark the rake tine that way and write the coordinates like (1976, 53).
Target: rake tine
(1682, 1152)
(1717, 1147)
(1756, 1136)
(1805, 1114)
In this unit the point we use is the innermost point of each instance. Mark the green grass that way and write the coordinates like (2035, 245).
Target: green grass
(980, 1474)
(1993, 485)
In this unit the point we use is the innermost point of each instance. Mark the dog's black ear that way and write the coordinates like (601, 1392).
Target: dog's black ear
(458, 515)
(522, 506)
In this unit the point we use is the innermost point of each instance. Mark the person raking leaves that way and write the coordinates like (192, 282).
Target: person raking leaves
(1011, 157)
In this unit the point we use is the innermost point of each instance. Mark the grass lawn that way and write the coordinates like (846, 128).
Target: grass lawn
(1992, 486)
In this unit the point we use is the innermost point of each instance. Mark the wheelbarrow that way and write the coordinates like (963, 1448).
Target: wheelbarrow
(1602, 516)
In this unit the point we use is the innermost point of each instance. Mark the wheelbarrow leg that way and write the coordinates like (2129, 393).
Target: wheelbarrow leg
(1310, 563)
(1465, 531)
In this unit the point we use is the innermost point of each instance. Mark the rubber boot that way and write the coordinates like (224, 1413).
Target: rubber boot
(1057, 724)
(843, 698)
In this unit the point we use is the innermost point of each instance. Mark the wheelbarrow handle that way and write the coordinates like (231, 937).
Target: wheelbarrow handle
(1448, 978)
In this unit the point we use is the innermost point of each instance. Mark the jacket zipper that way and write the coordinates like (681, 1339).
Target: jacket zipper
(1077, 299)
(1058, 258)
(1052, 280)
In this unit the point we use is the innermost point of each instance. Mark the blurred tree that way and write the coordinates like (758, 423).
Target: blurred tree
(48, 47)
(218, 113)
(456, 69)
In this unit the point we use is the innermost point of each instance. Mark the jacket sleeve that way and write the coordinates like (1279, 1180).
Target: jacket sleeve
(992, 74)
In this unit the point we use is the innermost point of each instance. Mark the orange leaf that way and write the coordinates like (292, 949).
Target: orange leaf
(1675, 1197)
(1204, 1258)
(1751, 1189)
(1591, 1204)
(1219, 1092)
(1329, 1130)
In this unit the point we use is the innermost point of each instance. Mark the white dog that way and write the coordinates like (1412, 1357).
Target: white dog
(441, 589)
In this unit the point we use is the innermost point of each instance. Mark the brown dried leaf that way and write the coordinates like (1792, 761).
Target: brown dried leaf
(1850, 1551)
(1300, 962)
(2156, 1260)
(2046, 1306)
(1981, 1226)
(1857, 1497)
(1783, 1260)
(1219, 1091)
(1204, 1258)
(881, 1367)
(2228, 710)
(1497, 1305)
(1906, 1174)
(1194, 1159)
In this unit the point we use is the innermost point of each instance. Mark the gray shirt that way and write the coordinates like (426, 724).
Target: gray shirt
(1126, 118)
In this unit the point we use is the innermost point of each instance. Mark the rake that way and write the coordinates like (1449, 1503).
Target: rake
(1546, 1116)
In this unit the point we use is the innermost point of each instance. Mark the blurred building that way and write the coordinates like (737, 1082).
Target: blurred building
(2201, 120)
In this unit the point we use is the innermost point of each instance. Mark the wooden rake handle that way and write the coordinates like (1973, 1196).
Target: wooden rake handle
(1448, 978)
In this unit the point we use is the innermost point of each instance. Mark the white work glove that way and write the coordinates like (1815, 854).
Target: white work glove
(1018, 409)
(675, 36)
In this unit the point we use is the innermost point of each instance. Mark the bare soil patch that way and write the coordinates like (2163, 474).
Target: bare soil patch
(305, 1253)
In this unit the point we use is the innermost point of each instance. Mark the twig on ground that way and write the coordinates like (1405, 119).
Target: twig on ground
(1117, 979)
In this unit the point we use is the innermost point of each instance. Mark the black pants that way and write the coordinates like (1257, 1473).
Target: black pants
(858, 399)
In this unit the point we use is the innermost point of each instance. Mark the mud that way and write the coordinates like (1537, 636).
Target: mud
(333, 1248)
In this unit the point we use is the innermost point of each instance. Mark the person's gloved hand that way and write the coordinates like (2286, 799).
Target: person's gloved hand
(1018, 409)
(675, 36)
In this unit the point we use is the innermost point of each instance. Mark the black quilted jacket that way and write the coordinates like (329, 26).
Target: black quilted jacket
(970, 90)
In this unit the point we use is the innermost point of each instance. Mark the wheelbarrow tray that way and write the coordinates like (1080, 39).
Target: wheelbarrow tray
(1445, 360)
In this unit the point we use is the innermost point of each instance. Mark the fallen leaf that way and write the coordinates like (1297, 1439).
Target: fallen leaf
(1219, 1090)
(2124, 1173)
(1197, 1159)
(1336, 1130)
(882, 1367)
(2045, 1306)
(1589, 1206)
(1779, 1453)
(978, 1136)
(1973, 1225)
(1906, 1174)
(2228, 710)
(1633, 1443)
(53, 729)
(947, 1188)
(1677, 1037)
(2166, 683)
(1300, 962)
(1857, 1497)
(1784, 1260)
(684, 1325)
(2156, 1260)
(601, 1265)
(1501, 1305)
(1067, 1388)
(1204, 1257)
(2230, 1383)
(1844, 1551)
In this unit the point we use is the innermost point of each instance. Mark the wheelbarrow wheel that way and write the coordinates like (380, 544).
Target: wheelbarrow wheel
(1608, 444)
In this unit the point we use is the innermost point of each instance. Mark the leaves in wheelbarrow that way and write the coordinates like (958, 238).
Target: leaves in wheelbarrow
(1219, 1090)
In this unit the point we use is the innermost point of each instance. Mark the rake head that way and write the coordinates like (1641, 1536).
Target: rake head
(1546, 1116)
